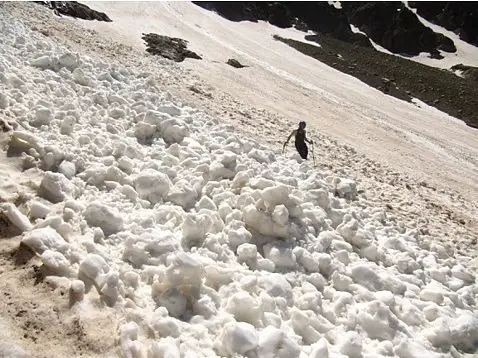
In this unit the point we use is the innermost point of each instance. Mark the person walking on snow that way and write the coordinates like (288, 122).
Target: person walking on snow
(300, 139)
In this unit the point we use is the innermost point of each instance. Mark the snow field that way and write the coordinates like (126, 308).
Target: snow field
(208, 244)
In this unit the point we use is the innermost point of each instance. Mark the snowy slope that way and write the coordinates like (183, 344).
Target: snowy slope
(206, 243)
(465, 54)
(298, 87)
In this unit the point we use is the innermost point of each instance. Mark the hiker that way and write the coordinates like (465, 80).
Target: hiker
(300, 139)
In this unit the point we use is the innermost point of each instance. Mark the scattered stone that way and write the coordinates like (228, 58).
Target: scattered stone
(172, 48)
(75, 9)
(235, 63)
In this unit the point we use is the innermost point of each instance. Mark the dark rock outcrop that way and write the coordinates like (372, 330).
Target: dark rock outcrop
(172, 48)
(315, 16)
(235, 63)
(396, 28)
(324, 18)
(390, 24)
(468, 72)
(237, 10)
(457, 16)
(75, 9)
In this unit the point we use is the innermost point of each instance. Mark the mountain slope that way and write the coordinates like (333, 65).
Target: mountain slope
(200, 240)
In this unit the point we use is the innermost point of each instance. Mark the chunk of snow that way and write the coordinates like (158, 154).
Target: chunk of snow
(275, 195)
(69, 60)
(238, 338)
(38, 210)
(345, 188)
(276, 285)
(174, 301)
(461, 273)
(128, 337)
(166, 348)
(55, 187)
(105, 217)
(319, 349)
(15, 217)
(56, 263)
(282, 256)
(40, 240)
(464, 332)
(152, 185)
(263, 223)
(351, 344)
(275, 343)
(410, 349)
(244, 308)
(67, 168)
(42, 62)
(95, 267)
(439, 334)
(430, 294)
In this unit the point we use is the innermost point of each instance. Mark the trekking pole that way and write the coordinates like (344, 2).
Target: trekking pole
(313, 153)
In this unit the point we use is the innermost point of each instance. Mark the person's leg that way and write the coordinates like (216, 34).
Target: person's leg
(302, 149)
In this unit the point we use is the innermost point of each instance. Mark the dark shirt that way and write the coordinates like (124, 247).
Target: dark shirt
(300, 136)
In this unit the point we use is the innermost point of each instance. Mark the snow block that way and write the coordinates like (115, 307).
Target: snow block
(23, 141)
(56, 263)
(68, 169)
(274, 343)
(276, 286)
(345, 188)
(40, 240)
(105, 217)
(38, 210)
(42, 62)
(174, 301)
(439, 334)
(55, 187)
(281, 255)
(197, 225)
(69, 60)
(238, 338)
(95, 268)
(15, 217)
(245, 308)
(464, 332)
(263, 223)
(152, 185)
(130, 346)
(351, 344)
(319, 349)
(275, 195)
(43, 116)
(166, 348)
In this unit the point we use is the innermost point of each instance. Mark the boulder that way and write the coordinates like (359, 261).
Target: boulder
(234, 63)
(75, 9)
(396, 28)
(172, 48)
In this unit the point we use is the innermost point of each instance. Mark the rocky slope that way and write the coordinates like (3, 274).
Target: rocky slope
(457, 16)
(389, 24)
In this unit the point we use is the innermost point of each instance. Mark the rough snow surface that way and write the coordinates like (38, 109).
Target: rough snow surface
(209, 244)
